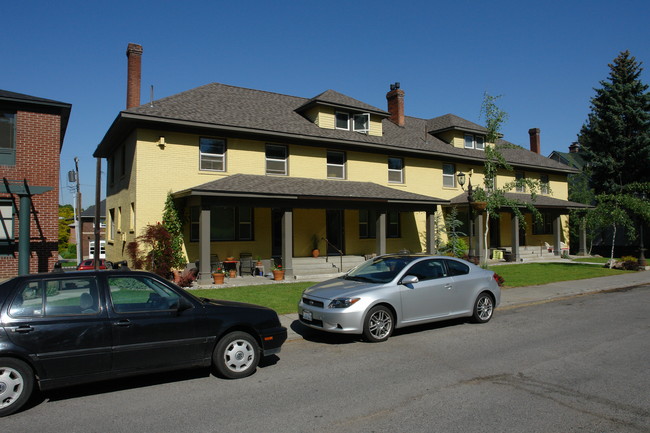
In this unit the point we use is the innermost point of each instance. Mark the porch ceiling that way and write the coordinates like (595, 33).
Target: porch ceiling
(294, 188)
(541, 201)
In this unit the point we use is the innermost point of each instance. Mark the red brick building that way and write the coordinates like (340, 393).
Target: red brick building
(31, 136)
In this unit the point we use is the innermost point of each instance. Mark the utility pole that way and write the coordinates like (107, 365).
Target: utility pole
(73, 176)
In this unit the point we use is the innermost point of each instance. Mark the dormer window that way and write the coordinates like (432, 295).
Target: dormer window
(474, 142)
(342, 120)
(362, 122)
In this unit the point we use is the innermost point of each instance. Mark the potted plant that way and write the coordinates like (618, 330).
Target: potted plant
(315, 252)
(218, 275)
(278, 272)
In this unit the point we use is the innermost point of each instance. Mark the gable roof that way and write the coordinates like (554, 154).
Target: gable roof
(541, 201)
(338, 100)
(236, 111)
(572, 159)
(451, 122)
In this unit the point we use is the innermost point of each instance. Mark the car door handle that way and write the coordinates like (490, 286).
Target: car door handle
(122, 323)
(23, 329)
(448, 286)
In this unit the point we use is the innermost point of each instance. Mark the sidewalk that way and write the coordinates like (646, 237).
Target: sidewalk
(528, 295)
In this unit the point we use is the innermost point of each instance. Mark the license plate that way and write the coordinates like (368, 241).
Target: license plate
(306, 315)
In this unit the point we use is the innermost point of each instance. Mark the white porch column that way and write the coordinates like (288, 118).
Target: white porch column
(287, 242)
(381, 232)
(431, 232)
(557, 231)
(204, 247)
(514, 227)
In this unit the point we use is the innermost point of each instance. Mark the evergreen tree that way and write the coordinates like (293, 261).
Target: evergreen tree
(616, 137)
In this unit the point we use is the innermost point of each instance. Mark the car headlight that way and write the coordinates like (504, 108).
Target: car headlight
(342, 302)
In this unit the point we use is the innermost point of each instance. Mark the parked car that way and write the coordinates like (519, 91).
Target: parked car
(89, 265)
(62, 329)
(394, 291)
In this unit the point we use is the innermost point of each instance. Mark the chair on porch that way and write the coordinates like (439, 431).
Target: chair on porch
(246, 264)
(548, 247)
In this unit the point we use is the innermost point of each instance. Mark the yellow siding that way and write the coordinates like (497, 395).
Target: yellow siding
(375, 127)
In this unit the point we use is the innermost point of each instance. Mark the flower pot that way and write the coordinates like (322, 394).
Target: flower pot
(218, 278)
(232, 273)
(278, 275)
(315, 252)
(479, 205)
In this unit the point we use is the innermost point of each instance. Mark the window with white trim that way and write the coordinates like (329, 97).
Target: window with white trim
(335, 164)
(6, 220)
(395, 170)
(212, 154)
(361, 122)
(276, 159)
(474, 142)
(449, 175)
(543, 179)
(111, 222)
(519, 175)
(342, 120)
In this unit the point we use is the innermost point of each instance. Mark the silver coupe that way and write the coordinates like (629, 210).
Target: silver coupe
(398, 290)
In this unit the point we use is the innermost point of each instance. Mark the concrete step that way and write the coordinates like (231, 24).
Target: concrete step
(310, 266)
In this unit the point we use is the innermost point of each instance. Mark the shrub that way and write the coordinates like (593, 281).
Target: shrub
(630, 263)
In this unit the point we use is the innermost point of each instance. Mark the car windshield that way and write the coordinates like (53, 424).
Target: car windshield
(379, 270)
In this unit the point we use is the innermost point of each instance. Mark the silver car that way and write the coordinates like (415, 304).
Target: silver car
(394, 291)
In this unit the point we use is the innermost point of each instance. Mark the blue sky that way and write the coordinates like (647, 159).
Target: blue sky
(545, 58)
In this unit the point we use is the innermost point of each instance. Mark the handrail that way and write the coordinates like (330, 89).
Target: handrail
(327, 254)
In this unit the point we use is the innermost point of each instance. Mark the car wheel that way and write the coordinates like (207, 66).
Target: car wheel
(236, 355)
(378, 324)
(483, 308)
(16, 383)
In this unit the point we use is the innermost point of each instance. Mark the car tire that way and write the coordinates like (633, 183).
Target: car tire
(483, 308)
(16, 384)
(378, 324)
(236, 355)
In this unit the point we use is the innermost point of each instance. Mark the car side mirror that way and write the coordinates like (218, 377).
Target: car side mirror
(183, 304)
(410, 279)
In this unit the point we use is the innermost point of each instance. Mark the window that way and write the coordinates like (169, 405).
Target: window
(474, 142)
(335, 165)
(132, 218)
(395, 170)
(56, 297)
(428, 270)
(6, 221)
(7, 138)
(111, 218)
(518, 177)
(342, 120)
(543, 226)
(118, 220)
(276, 159)
(361, 122)
(449, 175)
(544, 181)
(457, 268)
(102, 249)
(137, 294)
(368, 224)
(227, 223)
(212, 154)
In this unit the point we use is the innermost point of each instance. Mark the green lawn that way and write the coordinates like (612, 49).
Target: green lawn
(284, 297)
(602, 260)
(532, 274)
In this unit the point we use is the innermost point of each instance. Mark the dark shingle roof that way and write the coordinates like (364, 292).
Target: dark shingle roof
(275, 116)
(242, 184)
(90, 211)
(541, 201)
(336, 99)
(13, 96)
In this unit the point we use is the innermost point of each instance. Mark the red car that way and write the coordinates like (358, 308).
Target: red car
(89, 265)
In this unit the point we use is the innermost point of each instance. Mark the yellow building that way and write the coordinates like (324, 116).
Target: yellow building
(276, 175)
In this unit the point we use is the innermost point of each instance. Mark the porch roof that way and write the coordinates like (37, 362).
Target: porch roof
(541, 201)
(296, 188)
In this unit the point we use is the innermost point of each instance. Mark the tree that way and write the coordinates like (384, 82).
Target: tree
(66, 217)
(495, 198)
(616, 138)
(172, 223)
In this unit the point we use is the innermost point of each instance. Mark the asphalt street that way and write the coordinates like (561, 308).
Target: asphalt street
(577, 363)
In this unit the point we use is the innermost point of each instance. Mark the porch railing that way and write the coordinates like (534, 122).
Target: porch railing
(327, 255)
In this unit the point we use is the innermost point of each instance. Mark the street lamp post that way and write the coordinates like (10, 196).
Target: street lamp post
(470, 199)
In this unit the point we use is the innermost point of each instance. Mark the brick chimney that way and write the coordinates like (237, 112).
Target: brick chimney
(396, 104)
(535, 145)
(134, 55)
(575, 147)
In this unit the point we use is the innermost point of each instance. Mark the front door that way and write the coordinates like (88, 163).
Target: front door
(334, 223)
